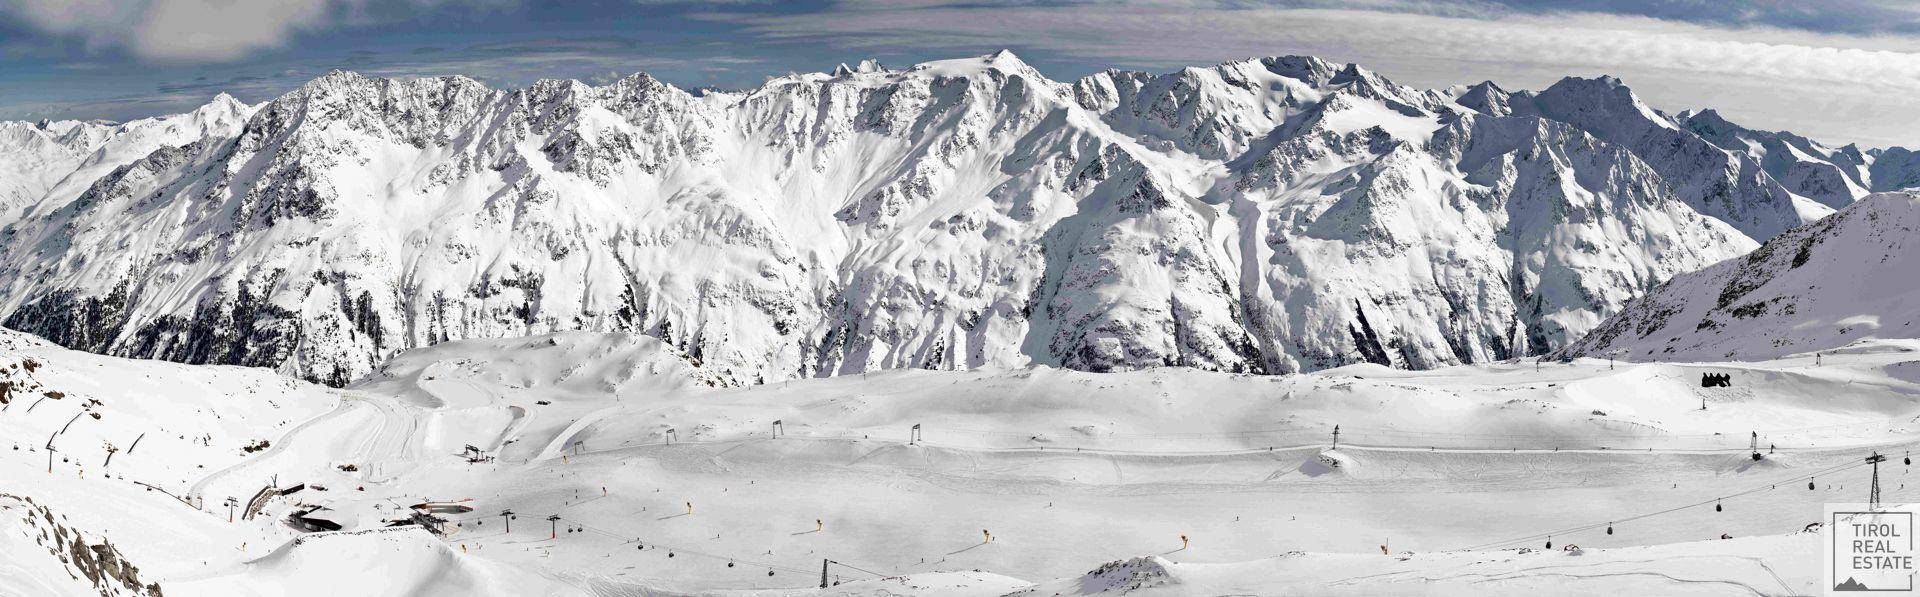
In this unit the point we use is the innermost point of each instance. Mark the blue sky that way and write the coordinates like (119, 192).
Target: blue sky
(1838, 70)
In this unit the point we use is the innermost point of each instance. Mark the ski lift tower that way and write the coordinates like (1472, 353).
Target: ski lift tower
(1336, 437)
(1873, 495)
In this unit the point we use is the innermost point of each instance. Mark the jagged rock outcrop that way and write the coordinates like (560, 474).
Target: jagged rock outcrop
(99, 566)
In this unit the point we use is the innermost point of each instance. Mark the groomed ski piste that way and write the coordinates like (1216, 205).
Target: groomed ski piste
(1035, 481)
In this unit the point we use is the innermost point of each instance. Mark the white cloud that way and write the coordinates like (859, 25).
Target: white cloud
(186, 30)
(208, 30)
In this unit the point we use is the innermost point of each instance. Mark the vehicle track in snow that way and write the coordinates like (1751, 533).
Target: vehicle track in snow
(388, 440)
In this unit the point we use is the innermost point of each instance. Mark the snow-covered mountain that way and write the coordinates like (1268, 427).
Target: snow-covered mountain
(1832, 176)
(1817, 287)
(1268, 215)
(57, 160)
(1724, 184)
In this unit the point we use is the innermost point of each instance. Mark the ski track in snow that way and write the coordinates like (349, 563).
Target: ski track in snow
(1067, 469)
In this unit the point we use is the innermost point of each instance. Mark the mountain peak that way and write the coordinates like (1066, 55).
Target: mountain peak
(1604, 94)
(638, 79)
(1589, 84)
(1487, 98)
(1005, 59)
(1301, 67)
(1708, 120)
(865, 66)
(335, 76)
(222, 105)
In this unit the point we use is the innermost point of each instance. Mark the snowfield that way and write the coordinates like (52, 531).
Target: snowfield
(666, 481)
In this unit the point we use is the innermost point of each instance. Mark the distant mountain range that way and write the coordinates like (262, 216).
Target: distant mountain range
(1263, 216)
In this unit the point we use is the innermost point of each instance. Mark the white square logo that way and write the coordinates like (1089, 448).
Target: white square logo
(1870, 551)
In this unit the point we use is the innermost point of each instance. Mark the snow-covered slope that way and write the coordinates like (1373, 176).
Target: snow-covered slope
(56, 161)
(101, 455)
(35, 156)
(1894, 168)
(1727, 185)
(1848, 277)
(1832, 176)
(1268, 215)
(1458, 470)
(1770, 565)
(381, 561)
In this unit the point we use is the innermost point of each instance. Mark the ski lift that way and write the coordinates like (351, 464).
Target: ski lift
(1809, 483)
(769, 572)
(1549, 541)
(729, 564)
(1609, 528)
(1908, 460)
(1716, 506)
(669, 554)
